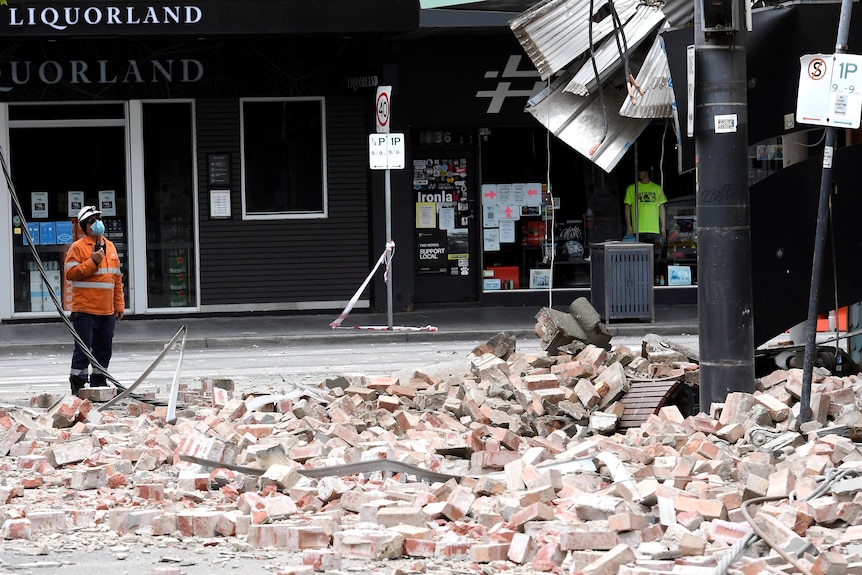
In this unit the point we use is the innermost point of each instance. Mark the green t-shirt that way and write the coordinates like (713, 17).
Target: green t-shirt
(650, 197)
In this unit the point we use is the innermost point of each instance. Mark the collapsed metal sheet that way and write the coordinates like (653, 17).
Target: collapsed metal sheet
(579, 122)
(657, 100)
(642, 23)
(553, 33)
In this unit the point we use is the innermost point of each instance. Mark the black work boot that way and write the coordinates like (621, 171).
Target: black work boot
(78, 384)
(98, 380)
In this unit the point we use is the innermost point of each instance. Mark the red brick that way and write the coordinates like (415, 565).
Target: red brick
(419, 547)
(521, 549)
(488, 552)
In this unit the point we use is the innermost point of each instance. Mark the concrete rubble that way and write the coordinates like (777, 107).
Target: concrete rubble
(535, 472)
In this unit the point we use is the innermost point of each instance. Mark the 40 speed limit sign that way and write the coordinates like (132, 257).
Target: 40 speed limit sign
(382, 109)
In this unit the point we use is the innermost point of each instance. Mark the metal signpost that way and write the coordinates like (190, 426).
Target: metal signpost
(386, 152)
(829, 95)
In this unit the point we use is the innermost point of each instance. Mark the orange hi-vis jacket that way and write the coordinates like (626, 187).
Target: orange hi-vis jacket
(97, 290)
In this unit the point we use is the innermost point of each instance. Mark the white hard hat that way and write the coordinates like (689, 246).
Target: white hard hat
(85, 214)
(88, 212)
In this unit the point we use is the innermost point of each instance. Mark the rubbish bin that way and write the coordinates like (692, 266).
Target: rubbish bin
(621, 280)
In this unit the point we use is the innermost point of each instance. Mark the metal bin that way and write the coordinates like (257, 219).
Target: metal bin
(621, 280)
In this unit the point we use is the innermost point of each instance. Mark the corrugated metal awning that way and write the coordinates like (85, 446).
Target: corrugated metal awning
(644, 20)
(553, 33)
(579, 122)
(657, 100)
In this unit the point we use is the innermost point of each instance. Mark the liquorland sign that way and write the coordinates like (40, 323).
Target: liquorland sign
(75, 18)
(18, 73)
(203, 17)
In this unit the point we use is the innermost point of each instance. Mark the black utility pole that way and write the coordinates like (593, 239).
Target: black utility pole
(725, 299)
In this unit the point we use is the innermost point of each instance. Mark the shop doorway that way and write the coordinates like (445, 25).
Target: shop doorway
(447, 257)
(169, 204)
(60, 158)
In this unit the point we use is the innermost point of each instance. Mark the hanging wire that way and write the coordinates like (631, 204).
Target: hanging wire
(598, 83)
(623, 48)
(837, 327)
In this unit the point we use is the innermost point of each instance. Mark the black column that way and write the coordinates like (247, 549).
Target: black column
(725, 298)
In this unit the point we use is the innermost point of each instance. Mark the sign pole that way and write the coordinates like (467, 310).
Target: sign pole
(382, 113)
(389, 271)
(820, 234)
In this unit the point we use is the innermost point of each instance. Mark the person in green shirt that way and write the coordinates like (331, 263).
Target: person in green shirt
(652, 224)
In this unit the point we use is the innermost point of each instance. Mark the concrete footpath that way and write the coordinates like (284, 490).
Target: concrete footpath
(297, 329)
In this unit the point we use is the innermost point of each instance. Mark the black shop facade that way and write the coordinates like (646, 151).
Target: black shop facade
(227, 146)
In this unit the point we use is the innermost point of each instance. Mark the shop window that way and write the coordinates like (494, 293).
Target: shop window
(283, 160)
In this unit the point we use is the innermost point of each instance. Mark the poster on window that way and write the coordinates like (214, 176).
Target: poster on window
(489, 194)
(108, 203)
(39, 205)
(507, 232)
(76, 202)
(534, 195)
(492, 239)
(490, 217)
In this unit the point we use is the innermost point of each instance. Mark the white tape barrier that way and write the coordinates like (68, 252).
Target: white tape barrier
(386, 256)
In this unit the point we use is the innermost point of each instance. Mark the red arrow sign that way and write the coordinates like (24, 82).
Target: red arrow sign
(532, 192)
(508, 212)
(490, 194)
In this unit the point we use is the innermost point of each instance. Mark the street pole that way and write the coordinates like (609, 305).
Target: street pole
(820, 233)
(725, 298)
(390, 272)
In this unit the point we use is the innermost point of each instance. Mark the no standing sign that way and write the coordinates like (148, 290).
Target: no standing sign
(830, 90)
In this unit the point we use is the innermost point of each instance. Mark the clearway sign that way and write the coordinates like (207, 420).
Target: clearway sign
(830, 90)
(386, 151)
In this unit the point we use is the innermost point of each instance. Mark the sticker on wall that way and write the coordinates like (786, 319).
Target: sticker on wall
(426, 215)
(108, 203)
(446, 217)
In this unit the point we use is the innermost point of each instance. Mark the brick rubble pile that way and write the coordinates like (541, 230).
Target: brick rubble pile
(535, 472)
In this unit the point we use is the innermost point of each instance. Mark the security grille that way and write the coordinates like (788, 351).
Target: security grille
(622, 280)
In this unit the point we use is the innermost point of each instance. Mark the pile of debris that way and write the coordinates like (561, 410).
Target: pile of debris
(519, 461)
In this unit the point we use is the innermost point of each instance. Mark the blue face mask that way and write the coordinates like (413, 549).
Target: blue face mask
(98, 228)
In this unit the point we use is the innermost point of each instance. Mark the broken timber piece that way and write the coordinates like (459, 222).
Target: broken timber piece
(591, 322)
(557, 328)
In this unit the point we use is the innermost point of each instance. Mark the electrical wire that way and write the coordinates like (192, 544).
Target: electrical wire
(832, 476)
(623, 48)
(834, 280)
(598, 83)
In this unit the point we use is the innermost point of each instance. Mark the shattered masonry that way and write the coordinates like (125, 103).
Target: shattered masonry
(544, 473)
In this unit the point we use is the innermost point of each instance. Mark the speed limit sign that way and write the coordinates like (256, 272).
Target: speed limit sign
(382, 108)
